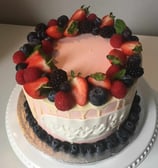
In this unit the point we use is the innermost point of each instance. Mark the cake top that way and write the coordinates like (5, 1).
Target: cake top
(103, 59)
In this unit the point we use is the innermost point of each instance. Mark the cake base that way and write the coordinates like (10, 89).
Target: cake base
(28, 154)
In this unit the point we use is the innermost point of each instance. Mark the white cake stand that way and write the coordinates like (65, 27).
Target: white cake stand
(130, 157)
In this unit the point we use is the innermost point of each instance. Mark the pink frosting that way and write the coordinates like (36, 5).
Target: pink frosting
(85, 53)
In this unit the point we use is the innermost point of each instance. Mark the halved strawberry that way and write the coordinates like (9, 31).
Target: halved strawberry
(112, 71)
(33, 89)
(117, 57)
(131, 47)
(55, 31)
(36, 59)
(80, 14)
(99, 79)
(116, 40)
(107, 20)
(47, 47)
(79, 90)
(72, 29)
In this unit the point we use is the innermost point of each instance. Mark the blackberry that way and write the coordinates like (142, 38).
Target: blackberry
(65, 86)
(32, 36)
(134, 61)
(85, 26)
(27, 49)
(135, 72)
(40, 27)
(107, 31)
(57, 78)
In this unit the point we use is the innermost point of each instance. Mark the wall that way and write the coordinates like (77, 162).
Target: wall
(140, 15)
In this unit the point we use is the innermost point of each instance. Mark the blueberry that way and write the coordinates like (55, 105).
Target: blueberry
(49, 139)
(136, 99)
(95, 30)
(127, 80)
(82, 148)
(41, 35)
(90, 148)
(42, 134)
(32, 36)
(111, 142)
(62, 21)
(74, 149)
(51, 95)
(56, 144)
(20, 66)
(97, 22)
(127, 33)
(98, 96)
(107, 31)
(65, 146)
(100, 147)
(122, 135)
(129, 126)
(85, 26)
(27, 49)
(134, 117)
(65, 86)
(40, 27)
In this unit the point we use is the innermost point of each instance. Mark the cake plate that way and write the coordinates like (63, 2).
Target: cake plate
(130, 157)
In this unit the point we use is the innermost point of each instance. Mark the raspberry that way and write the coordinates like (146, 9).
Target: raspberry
(31, 74)
(116, 40)
(92, 17)
(64, 101)
(118, 89)
(19, 57)
(20, 77)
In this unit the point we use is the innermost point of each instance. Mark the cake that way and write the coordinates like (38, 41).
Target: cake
(78, 77)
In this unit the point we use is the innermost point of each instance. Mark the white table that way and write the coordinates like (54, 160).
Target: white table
(11, 38)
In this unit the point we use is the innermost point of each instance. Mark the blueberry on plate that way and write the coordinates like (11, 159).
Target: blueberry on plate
(74, 149)
(56, 144)
(122, 135)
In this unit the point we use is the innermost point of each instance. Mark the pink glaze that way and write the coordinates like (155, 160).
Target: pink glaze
(85, 53)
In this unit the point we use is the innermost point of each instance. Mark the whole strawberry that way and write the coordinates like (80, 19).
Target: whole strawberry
(118, 89)
(64, 101)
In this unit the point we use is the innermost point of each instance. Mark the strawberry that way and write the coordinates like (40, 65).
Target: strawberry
(116, 40)
(72, 29)
(79, 89)
(36, 59)
(131, 47)
(55, 32)
(117, 57)
(47, 47)
(52, 22)
(107, 20)
(80, 14)
(118, 89)
(31, 74)
(112, 71)
(34, 88)
(20, 77)
(64, 101)
(99, 79)
(18, 57)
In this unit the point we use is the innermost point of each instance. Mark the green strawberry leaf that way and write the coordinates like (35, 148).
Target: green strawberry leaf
(114, 60)
(119, 26)
(138, 49)
(99, 76)
(120, 74)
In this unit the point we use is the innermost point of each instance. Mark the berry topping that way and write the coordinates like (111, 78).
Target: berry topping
(127, 80)
(79, 87)
(72, 29)
(47, 47)
(62, 21)
(20, 66)
(98, 96)
(134, 61)
(20, 77)
(55, 31)
(65, 86)
(63, 101)
(91, 17)
(112, 71)
(80, 14)
(31, 74)
(57, 77)
(52, 22)
(117, 57)
(118, 89)
(135, 72)
(107, 31)
(19, 57)
(27, 49)
(127, 33)
(107, 20)
(51, 95)
(131, 47)
(116, 40)
(99, 79)
(34, 88)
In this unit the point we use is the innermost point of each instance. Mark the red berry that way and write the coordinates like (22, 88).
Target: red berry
(92, 17)
(118, 89)
(19, 57)
(64, 101)
(116, 40)
(52, 22)
(47, 46)
(20, 77)
(31, 74)
(112, 71)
